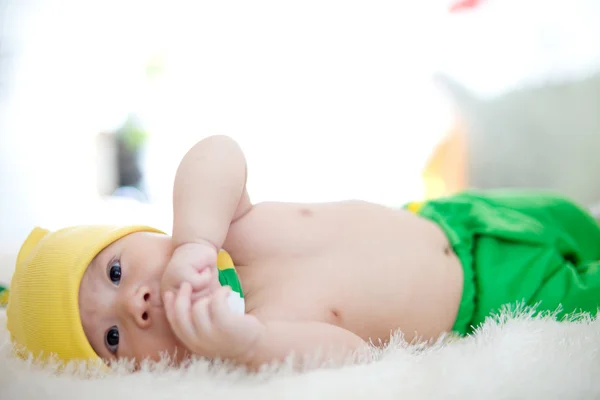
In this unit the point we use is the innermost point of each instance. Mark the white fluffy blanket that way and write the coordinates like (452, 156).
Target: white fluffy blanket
(513, 357)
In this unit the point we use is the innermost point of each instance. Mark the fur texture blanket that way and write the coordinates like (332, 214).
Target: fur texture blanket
(514, 356)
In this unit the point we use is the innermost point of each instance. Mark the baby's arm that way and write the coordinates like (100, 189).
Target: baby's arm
(310, 341)
(209, 328)
(208, 195)
(209, 192)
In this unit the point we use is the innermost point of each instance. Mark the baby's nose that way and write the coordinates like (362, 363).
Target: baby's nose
(138, 306)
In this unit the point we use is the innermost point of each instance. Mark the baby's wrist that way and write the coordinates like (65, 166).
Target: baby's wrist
(198, 244)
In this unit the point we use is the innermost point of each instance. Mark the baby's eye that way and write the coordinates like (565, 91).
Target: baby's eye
(112, 339)
(114, 271)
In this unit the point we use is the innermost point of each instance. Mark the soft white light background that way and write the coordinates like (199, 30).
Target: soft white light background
(330, 99)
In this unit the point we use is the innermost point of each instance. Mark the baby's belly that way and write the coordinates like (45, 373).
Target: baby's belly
(422, 310)
(411, 282)
(368, 269)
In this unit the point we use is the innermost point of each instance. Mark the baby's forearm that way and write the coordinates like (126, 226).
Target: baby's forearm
(209, 184)
(308, 341)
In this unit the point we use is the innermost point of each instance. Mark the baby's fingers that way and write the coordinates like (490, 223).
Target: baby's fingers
(200, 281)
(219, 308)
(201, 317)
(178, 311)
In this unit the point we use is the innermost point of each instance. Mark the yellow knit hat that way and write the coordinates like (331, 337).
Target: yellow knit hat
(43, 307)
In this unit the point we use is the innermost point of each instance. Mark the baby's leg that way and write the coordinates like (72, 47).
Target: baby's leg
(576, 225)
(575, 288)
(534, 246)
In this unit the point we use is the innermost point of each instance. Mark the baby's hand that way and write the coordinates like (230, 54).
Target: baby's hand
(208, 327)
(195, 263)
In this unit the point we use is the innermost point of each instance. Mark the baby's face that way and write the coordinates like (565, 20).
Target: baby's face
(120, 302)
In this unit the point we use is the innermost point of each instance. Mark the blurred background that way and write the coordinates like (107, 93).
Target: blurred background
(385, 101)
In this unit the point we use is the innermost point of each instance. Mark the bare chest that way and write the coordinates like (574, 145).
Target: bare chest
(355, 265)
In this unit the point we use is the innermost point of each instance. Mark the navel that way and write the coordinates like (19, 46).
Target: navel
(305, 212)
(335, 314)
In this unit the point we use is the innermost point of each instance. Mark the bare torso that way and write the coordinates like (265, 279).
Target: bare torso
(364, 267)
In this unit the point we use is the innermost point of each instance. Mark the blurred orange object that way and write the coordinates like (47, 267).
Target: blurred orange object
(445, 172)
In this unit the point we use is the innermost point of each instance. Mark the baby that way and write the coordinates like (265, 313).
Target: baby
(314, 278)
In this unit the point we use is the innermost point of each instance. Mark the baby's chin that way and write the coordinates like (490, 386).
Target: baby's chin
(174, 354)
(164, 341)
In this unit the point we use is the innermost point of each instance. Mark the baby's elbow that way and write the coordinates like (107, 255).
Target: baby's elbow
(215, 151)
(218, 142)
(223, 148)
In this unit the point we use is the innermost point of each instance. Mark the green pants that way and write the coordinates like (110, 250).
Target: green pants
(530, 247)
